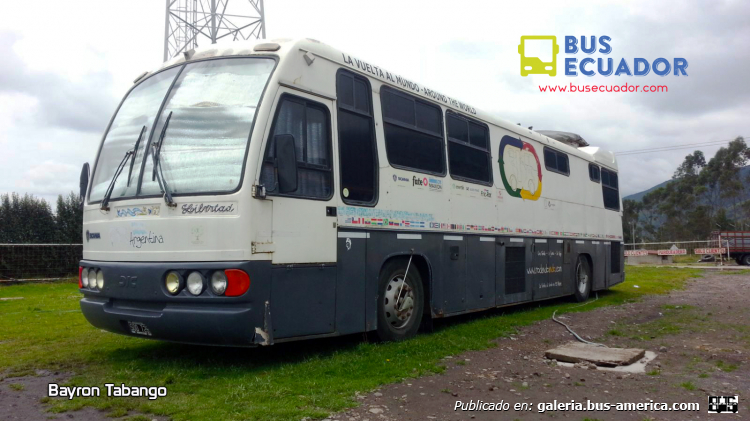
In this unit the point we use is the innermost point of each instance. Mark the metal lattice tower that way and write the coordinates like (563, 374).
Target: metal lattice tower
(192, 22)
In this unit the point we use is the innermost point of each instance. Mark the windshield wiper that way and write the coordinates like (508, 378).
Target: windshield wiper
(158, 173)
(128, 155)
(135, 151)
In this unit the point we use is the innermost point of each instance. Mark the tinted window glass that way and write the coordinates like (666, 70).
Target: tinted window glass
(467, 162)
(562, 163)
(468, 154)
(345, 89)
(594, 173)
(413, 132)
(398, 108)
(309, 123)
(610, 191)
(457, 129)
(411, 149)
(357, 147)
(478, 135)
(556, 161)
(428, 118)
(550, 159)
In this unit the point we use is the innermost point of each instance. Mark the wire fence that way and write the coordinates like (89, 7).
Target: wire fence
(21, 262)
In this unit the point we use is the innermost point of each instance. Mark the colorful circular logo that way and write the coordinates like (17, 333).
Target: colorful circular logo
(520, 168)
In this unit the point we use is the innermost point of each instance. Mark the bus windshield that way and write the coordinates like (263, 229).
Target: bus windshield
(213, 105)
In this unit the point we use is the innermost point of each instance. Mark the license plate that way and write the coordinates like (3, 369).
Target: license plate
(139, 329)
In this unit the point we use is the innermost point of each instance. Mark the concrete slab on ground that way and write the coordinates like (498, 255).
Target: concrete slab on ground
(574, 352)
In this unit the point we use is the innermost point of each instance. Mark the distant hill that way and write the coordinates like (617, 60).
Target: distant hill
(744, 172)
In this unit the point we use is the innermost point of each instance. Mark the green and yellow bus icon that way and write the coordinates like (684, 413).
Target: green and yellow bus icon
(538, 55)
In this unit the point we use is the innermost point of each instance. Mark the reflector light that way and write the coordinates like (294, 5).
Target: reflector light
(238, 282)
(80, 278)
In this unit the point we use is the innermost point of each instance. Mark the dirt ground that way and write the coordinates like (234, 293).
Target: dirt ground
(701, 336)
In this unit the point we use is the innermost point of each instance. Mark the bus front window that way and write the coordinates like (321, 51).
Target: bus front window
(213, 105)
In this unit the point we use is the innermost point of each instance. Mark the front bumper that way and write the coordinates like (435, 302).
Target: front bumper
(134, 294)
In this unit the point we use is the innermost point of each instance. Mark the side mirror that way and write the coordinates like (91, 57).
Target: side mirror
(84, 182)
(286, 163)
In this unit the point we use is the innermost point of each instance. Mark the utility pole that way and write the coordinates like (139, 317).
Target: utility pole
(191, 23)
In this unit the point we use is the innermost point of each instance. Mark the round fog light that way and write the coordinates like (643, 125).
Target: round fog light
(195, 283)
(172, 282)
(100, 279)
(218, 282)
(85, 278)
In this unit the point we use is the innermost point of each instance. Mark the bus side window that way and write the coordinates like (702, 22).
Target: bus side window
(357, 147)
(468, 149)
(610, 190)
(413, 132)
(309, 123)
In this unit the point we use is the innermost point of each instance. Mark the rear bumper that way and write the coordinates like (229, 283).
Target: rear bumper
(133, 294)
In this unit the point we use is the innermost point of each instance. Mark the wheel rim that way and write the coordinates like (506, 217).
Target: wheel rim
(398, 311)
(583, 278)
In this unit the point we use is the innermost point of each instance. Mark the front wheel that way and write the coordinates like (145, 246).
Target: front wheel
(400, 301)
(583, 279)
(746, 260)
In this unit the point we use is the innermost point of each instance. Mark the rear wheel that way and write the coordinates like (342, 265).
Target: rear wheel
(582, 279)
(400, 301)
(746, 260)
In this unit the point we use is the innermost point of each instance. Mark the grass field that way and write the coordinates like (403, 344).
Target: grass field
(45, 330)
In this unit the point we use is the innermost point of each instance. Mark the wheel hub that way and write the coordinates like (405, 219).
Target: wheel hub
(583, 279)
(398, 302)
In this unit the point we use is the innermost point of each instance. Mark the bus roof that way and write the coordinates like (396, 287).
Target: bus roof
(285, 46)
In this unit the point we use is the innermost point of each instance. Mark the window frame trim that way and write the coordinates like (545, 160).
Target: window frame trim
(275, 58)
(283, 97)
(444, 162)
(555, 170)
(468, 120)
(339, 104)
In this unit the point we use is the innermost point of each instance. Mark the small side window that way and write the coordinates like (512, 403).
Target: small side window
(594, 173)
(556, 161)
(468, 150)
(610, 190)
(309, 123)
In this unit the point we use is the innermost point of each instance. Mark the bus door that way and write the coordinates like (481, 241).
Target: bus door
(303, 289)
(513, 259)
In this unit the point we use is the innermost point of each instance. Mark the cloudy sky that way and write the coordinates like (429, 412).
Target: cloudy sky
(67, 64)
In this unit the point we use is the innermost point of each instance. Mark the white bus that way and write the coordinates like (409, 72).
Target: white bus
(266, 192)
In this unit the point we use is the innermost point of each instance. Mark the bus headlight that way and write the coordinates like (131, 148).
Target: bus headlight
(172, 282)
(195, 283)
(85, 277)
(92, 278)
(218, 282)
(100, 279)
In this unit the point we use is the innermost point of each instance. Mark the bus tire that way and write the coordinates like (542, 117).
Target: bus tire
(746, 260)
(402, 322)
(582, 279)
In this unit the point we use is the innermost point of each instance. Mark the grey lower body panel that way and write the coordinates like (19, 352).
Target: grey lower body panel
(462, 273)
